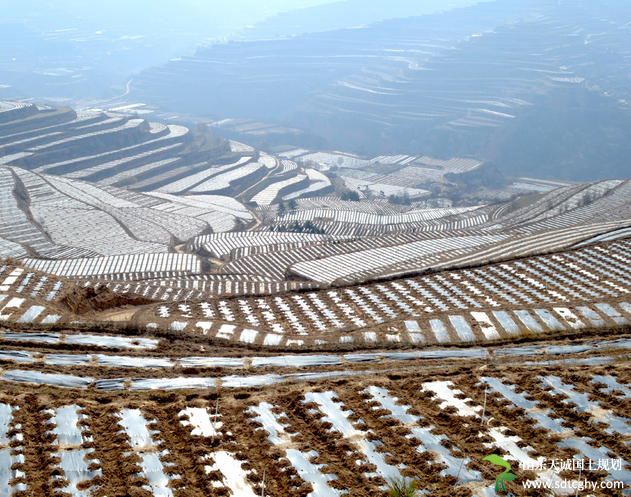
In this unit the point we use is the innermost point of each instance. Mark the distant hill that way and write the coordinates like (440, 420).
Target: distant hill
(342, 14)
(489, 80)
(75, 50)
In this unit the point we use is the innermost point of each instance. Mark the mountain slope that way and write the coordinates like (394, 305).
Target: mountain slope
(525, 84)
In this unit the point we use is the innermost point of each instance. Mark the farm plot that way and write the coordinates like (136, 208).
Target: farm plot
(132, 123)
(226, 182)
(365, 218)
(131, 265)
(380, 188)
(608, 208)
(273, 191)
(544, 294)
(239, 147)
(7, 107)
(123, 177)
(221, 204)
(200, 178)
(607, 237)
(112, 221)
(222, 245)
(363, 221)
(149, 149)
(409, 176)
(73, 219)
(319, 183)
(548, 201)
(17, 228)
(378, 207)
(80, 164)
(313, 190)
(166, 220)
(11, 249)
(275, 264)
(275, 260)
(584, 196)
(410, 172)
(370, 262)
(393, 159)
(331, 318)
(330, 160)
(219, 212)
(329, 435)
(452, 165)
(269, 161)
(291, 154)
(173, 286)
(288, 165)
(11, 158)
(521, 246)
(173, 174)
(91, 229)
(108, 172)
(357, 173)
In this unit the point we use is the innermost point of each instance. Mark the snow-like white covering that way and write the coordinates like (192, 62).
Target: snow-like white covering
(201, 421)
(235, 478)
(443, 391)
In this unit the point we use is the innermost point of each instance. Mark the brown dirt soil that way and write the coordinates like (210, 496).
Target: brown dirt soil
(83, 300)
(242, 436)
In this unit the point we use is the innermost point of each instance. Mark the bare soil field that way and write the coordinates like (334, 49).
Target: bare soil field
(430, 419)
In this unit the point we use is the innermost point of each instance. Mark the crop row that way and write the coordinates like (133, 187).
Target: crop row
(327, 440)
(127, 264)
(87, 220)
(16, 227)
(195, 179)
(579, 278)
(83, 162)
(273, 321)
(269, 194)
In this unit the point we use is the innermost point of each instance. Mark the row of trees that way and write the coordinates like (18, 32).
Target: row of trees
(291, 206)
(297, 227)
(400, 199)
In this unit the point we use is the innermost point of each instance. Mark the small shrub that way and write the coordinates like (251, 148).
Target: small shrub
(351, 195)
(297, 227)
(400, 199)
(403, 487)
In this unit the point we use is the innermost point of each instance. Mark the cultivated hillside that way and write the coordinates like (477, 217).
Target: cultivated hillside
(537, 86)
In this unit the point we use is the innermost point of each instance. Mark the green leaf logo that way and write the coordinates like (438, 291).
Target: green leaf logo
(505, 475)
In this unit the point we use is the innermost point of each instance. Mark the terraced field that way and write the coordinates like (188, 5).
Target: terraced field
(454, 80)
(581, 288)
(83, 217)
(569, 290)
(163, 334)
(156, 242)
(321, 425)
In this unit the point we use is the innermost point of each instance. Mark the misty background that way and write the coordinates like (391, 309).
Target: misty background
(535, 87)
(45, 45)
